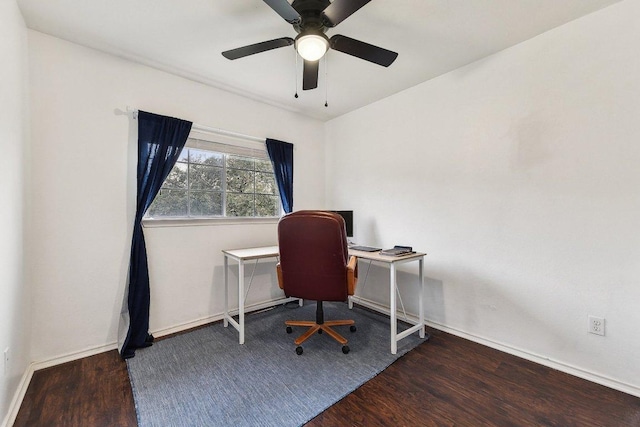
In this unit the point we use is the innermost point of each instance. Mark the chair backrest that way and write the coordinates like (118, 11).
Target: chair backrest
(313, 255)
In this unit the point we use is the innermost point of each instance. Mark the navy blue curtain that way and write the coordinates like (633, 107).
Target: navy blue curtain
(281, 155)
(160, 141)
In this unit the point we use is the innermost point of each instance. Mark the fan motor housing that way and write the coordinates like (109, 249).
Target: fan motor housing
(311, 13)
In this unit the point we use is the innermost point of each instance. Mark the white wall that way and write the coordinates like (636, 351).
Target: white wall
(518, 174)
(83, 173)
(14, 295)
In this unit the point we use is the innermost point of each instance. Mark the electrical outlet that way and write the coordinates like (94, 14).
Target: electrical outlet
(596, 325)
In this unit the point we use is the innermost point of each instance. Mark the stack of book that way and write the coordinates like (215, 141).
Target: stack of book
(397, 251)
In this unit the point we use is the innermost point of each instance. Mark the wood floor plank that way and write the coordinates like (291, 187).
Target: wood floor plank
(94, 391)
(452, 381)
(448, 381)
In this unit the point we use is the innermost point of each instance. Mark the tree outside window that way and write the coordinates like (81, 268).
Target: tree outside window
(211, 184)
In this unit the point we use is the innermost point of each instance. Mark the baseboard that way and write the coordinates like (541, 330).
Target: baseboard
(385, 309)
(14, 407)
(211, 319)
(18, 397)
(70, 357)
(158, 333)
(542, 360)
(536, 358)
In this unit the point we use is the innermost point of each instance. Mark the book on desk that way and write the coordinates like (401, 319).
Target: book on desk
(397, 251)
(365, 248)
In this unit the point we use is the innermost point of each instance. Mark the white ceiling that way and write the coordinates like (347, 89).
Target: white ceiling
(432, 37)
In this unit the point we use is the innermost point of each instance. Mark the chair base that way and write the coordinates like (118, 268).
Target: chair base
(315, 327)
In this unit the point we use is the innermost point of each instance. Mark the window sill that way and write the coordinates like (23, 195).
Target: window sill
(198, 222)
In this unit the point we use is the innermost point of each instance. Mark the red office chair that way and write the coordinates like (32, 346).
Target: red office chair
(315, 265)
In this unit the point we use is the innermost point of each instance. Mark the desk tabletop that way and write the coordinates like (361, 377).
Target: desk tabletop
(253, 253)
(273, 251)
(377, 256)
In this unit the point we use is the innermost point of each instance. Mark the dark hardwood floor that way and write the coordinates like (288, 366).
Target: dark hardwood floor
(94, 391)
(447, 381)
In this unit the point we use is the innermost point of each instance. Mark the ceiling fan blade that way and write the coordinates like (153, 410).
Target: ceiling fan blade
(257, 48)
(310, 75)
(363, 50)
(284, 9)
(340, 10)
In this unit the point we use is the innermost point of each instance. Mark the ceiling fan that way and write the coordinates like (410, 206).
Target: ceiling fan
(311, 19)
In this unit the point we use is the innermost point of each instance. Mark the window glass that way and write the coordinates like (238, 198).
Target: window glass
(169, 203)
(204, 177)
(205, 203)
(177, 177)
(265, 183)
(216, 184)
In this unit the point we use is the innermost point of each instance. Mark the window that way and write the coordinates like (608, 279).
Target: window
(216, 180)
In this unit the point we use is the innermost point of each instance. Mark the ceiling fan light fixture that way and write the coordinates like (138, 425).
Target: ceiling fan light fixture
(312, 47)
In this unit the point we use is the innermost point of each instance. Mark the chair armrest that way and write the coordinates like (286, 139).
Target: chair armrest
(279, 271)
(352, 275)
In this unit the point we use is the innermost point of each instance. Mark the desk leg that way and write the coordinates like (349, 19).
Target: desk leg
(421, 295)
(392, 299)
(225, 322)
(241, 299)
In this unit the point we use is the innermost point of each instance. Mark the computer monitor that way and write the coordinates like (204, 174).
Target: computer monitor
(348, 221)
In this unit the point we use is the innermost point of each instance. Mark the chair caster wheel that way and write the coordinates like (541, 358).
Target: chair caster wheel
(353, 328)
(289, 329)
(299, 350)
(345, 349)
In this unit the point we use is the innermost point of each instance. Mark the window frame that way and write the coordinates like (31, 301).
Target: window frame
(226, 145)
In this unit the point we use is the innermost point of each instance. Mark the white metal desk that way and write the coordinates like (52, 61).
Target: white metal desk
(393, 262)
(241, 256)
(249, 254)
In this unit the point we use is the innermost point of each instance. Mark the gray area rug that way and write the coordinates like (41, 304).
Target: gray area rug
(205, 378)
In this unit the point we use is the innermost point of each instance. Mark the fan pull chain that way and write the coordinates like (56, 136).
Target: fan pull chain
(326, 80)
(296, 73)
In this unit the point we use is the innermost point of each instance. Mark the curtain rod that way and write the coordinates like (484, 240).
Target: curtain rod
(133, 113)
